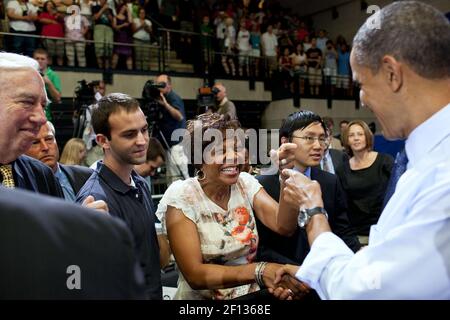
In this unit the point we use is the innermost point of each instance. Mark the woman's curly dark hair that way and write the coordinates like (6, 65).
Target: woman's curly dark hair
(205, 122)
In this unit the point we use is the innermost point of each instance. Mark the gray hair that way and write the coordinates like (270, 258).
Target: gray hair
(52, 127)
(411, 31)
(16, 61)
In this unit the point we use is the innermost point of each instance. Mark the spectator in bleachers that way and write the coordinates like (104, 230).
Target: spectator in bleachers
(285, 67)
(3, 26)
(344, 73)
(270, 46)
(51, 80)
(185, 14)
(75, 36)
(52, 26)
(302, 32)
(206, 42)
(314, 55)
(22, 16)
(330, 67)
(86, 8)
(229, 47)
(219, 22)
(299, 62)
(364, 178)
(122, 33)
(74, 152)
(103, 33)
(142, 29)
(255, 41)
(284, 41)
(306, 43)
(243, 44)
(322, 41)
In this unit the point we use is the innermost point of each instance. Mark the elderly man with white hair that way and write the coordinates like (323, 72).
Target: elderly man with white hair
(22, 102)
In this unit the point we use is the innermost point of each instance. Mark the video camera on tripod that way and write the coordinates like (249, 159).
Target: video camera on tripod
(151, 101)
(84, 97)
(206, 99)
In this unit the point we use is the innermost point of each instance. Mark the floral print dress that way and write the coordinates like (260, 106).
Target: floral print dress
(227, 237)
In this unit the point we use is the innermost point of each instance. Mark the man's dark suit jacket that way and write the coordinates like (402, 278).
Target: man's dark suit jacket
(33, 175)
(77, 175)
(40, 237)
(338, 157)
(276, 248)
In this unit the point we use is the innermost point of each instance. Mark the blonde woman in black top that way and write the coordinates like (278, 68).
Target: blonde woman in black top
(364, 177)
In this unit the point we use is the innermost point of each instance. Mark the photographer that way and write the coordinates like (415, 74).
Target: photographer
(224, 106)
(90, 93)
(172, 117)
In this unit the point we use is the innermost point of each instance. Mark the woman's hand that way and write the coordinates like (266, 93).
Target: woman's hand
(280, 285)
(286, 274)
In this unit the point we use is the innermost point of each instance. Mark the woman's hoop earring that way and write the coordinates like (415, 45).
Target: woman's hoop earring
(201, 175)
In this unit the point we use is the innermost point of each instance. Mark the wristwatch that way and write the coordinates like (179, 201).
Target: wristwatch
(304, 215)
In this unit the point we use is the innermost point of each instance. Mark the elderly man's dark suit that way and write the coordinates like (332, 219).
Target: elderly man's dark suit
(277, 248)
(33, 175)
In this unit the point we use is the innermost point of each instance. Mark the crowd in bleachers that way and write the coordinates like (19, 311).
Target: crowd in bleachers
(245, 38)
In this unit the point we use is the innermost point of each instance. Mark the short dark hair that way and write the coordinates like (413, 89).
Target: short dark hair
(343, 121)
(155, 150)
(405, 25)
(108, 105)
(40, 51)
(299, 120)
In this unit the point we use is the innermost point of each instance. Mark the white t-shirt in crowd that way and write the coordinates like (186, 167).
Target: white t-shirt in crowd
(270, 43)
(19, 25)
(141, 34)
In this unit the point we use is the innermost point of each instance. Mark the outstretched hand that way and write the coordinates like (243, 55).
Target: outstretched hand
(99, 205)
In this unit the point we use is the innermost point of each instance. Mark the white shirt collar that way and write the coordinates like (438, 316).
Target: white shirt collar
(427, 135)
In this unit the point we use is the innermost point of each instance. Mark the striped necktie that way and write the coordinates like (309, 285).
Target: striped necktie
(7, 176)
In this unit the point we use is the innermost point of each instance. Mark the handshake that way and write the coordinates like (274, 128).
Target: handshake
(280, 280)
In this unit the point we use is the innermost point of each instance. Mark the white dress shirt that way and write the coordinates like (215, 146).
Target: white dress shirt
(408, 256)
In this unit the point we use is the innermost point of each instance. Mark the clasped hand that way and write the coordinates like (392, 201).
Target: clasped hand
(281, 284)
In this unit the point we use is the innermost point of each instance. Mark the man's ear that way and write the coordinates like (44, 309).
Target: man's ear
(102, 141)
(393, 72)
(284, 140)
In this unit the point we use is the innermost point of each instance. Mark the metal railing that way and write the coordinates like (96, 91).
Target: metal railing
(207, 62)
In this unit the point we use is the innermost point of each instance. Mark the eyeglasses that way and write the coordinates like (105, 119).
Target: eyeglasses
(310, 140)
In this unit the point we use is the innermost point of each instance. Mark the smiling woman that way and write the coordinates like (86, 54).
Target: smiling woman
(215, 212)
(364, 178)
